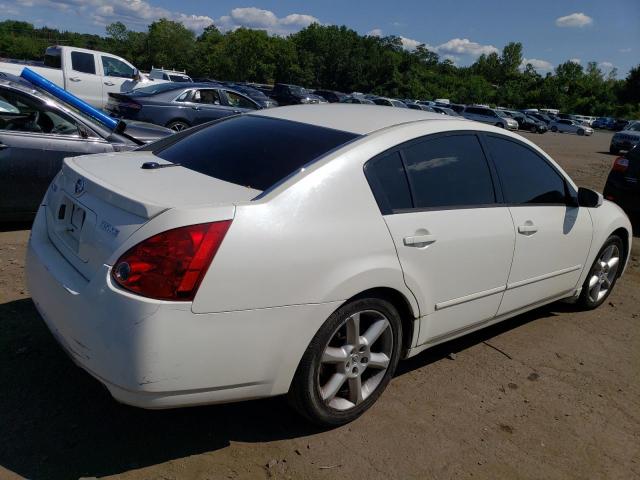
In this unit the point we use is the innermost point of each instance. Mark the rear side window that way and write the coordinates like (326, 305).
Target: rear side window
(449, 171)
(388, 180)
(83, 62)
(525, 176)
(252, 151)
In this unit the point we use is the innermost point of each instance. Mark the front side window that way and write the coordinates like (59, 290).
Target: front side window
(239, 101)
(526, 178)
(83, 62)
(112, 67)
(449, 171)
(22, 113)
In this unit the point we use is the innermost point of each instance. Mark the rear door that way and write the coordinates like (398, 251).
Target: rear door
(454, 240)
(208, 105)
(553, 236)
(83, 78)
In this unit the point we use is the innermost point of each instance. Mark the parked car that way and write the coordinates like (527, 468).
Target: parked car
(357, 99)
(37, 131)
(543, 117)
(420, 106)
(619, 124)
(564, 125)
(389, 102)
(525, 122)
(490, 116)
(293, 95)
(623, 183)
(625, 139)
(446, 111)
(169, 75)
(311, 259)
(604, 122)
(89, 75)
(179, 106)
(331, 96)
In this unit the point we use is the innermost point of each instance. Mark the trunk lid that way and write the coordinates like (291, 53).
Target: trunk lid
(98, 201)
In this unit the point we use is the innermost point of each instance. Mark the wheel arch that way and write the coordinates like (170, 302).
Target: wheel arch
(178, 119)
(624, 235)
(407, 316)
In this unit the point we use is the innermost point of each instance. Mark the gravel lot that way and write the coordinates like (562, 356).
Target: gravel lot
(554, 393)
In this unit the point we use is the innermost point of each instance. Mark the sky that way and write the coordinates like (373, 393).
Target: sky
(551, 31)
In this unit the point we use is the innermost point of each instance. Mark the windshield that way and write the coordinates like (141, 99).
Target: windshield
(502, 113)
(179, 78)
(277, 149)
(634, 127)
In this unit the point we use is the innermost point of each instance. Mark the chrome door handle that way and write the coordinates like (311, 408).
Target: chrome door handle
(527, 229)
(418, 240)
(75, 79)
(109, 84)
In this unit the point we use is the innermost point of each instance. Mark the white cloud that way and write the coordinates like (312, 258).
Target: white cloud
(464, 46)
(257, 18)
(625, 50)
(574, 20)
(606, 66)
(539, 65)
(410, 43)
(575, 60)
(376, 32)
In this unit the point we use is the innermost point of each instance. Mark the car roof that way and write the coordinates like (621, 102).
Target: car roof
(348, 117)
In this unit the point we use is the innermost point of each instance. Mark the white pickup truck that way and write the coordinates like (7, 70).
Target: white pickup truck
(88, 74)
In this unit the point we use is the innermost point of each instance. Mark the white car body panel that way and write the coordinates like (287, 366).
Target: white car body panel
(291, 257)
(571, 128)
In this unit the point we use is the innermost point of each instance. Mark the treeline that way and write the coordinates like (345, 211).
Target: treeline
(339, 58)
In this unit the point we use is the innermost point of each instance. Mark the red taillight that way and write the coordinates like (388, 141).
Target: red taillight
(171, 264)
(132, 105)
(620, 164)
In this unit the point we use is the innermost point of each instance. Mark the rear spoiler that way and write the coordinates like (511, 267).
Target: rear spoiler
(118, 126)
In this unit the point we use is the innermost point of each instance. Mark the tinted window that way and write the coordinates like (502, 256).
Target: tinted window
(113, 67)
(24, 113)
(277, 149)
(236, 100)
(388, 181)
(525, 176)
(449, 171)
(83, 62)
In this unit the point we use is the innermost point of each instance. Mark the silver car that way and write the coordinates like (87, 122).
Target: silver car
(565, 125)
(489, 115)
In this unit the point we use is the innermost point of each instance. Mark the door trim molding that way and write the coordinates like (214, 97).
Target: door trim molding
(546, 276)
(470, 297)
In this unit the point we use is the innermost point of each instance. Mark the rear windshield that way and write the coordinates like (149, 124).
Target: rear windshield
(154, 89)
(252, 151)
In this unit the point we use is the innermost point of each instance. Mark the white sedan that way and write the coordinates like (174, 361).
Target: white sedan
(570, 126)
(305, 250)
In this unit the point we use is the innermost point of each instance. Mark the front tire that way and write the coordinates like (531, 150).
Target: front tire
(349, 362)
(554, 129)
(603, 274)
(613, 150)
(178, 125)
(581, 132)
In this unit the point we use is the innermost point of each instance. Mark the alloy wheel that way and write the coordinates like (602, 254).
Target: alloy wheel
(604, 273)
(355, 360)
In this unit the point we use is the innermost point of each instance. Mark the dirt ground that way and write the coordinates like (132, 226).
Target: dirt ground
(554, 393)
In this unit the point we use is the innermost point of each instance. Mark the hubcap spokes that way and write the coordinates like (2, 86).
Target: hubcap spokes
(355, 360)
(603, 273)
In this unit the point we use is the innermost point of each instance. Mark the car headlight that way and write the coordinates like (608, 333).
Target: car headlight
(305, 100)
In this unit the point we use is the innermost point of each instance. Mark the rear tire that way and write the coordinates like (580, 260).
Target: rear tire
(603, 274)
(349, 362)
(178, 125)
(614, 150)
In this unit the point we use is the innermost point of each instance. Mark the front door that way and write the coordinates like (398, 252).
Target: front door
(454, 241)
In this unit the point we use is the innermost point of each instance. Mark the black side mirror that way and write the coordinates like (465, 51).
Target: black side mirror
(589, 198)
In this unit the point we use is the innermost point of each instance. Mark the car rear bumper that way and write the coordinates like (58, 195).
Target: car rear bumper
(622, 144)
(625, 193)
(156, 354)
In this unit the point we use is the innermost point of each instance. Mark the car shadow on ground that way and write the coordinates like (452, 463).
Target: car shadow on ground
(60, 423)
(14, 226)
